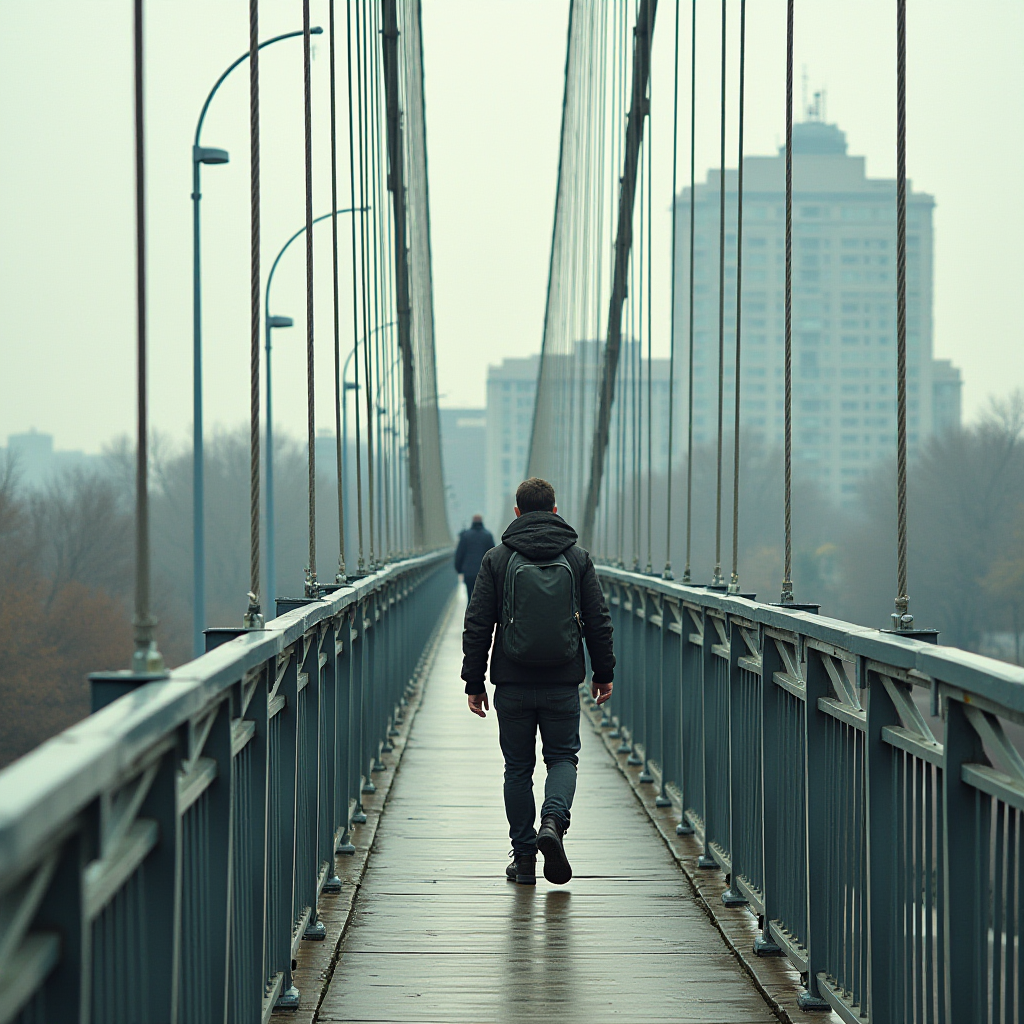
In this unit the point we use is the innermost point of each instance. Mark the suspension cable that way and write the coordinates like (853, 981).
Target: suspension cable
(787, 580)
(339, 387)
(312, 587)
(734, 583)
(717, 579)
(667, 571)
(355, 289)
(253, 618)
(145, 657)
(689, 376)
(650, 329)
(902, 619)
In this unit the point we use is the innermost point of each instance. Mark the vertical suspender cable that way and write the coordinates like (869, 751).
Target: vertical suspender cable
(650, 332)
(355, 289)
(787, 580)
(717, 579)
(253, 617)
(902, 619)
(667, 571)
(734, 583)
(145, 657)
(312, 587)
(339, 392)
(689, 375)
(363, 45)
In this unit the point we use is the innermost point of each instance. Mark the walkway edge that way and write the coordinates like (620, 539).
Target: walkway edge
(775, 978)
(316, 960)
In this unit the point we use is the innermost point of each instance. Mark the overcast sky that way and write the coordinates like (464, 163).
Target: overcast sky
(493, 90)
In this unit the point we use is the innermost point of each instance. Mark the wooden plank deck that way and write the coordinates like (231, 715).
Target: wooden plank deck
(438, 935)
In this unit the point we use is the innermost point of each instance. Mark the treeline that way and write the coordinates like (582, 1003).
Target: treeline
(67, 568)
(966, 534)
(66, 552)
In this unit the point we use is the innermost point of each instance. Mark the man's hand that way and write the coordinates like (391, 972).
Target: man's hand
(478, 704)
(601, 691)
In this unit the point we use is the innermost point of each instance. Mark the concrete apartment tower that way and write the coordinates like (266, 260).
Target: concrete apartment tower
(844, 309)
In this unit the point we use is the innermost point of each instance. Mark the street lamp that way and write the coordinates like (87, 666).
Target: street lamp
(279, 321)
(205, 155)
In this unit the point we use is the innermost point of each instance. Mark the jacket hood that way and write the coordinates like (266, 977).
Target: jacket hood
(539, 535)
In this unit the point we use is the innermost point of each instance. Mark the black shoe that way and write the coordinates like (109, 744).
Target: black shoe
(549, 842)
(522, 870)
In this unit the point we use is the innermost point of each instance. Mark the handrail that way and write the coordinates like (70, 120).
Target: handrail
(880, 844)
(176, 841)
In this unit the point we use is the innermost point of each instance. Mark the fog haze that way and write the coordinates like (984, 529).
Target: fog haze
(493, 92)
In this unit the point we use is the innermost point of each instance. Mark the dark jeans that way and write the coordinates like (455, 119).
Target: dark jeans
(470, 580)
(521, 709)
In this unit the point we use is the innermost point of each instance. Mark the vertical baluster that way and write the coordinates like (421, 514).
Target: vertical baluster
(817, 772)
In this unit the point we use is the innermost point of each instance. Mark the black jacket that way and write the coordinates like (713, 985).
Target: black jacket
(474, 543)
(537, 535)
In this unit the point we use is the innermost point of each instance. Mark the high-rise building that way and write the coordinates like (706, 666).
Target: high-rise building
(36, 462)
(946, 397)
(511, 389)
(844, 308)
(463, 444)
(511, 393)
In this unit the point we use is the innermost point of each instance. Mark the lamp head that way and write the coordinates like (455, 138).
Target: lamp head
(316, 30)
(208, 155)
(280, 321)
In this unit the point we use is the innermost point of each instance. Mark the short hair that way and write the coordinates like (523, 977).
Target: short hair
(535, 495)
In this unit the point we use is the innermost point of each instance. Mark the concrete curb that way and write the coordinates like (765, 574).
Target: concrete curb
(774, 977)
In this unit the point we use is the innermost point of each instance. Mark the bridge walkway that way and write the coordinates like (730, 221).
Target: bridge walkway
(438, 935)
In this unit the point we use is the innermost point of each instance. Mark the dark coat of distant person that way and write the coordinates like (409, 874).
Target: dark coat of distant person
(474, 543)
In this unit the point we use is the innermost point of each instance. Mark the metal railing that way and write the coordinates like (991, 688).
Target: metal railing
(863, 791)
(162, 859)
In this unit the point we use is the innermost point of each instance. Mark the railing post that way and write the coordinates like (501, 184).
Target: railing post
(708, 709)
(162, 896)
(357, 659)
(331, 818)
(668, 661)
(250, 953)
(816, 773)
(773, 759)
(966, 862)
(343, 672)
(884, 911)
(283, 779)
(733, 897)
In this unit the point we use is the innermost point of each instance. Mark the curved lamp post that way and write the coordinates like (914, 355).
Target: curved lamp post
(272, 322)
(205, 155)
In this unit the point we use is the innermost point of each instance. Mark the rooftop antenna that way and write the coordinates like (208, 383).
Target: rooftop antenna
(803, 89)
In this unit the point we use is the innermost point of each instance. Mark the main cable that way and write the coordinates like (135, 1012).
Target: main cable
(734, 583)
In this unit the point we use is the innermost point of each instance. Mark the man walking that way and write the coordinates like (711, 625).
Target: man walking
(541, 591)
(474, 543)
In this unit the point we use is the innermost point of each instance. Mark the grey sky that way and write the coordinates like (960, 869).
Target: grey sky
(493, 88)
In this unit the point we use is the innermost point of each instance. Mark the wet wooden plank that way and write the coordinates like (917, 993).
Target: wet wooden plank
(438, 934)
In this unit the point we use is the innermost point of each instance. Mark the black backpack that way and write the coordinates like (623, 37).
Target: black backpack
(540, 611)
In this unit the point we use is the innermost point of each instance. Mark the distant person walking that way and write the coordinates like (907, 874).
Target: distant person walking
(474, 543)
(541, 591)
